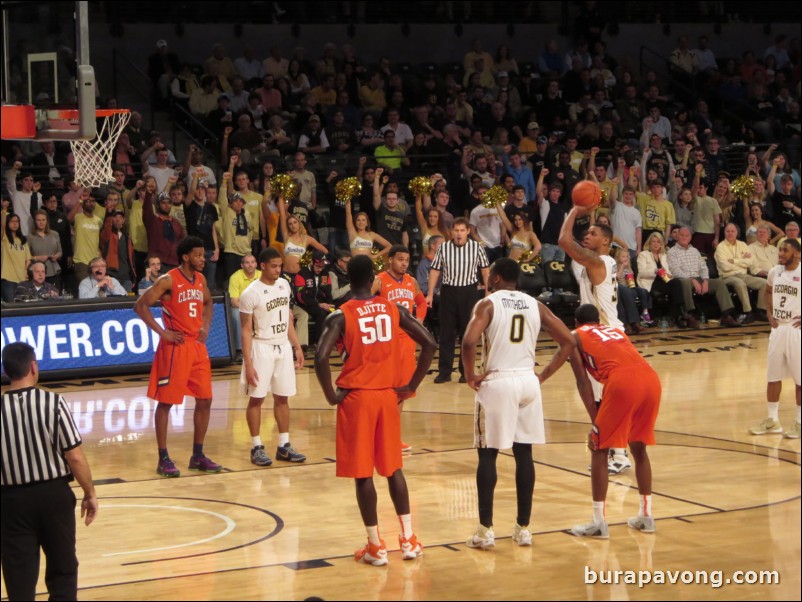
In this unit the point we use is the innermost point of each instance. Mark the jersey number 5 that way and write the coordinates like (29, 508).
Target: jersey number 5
(193, 310)
(376, 328)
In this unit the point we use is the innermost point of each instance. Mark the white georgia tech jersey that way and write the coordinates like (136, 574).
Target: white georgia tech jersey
(270, 306)
(511, 336)
(785, 293)
(603, 295)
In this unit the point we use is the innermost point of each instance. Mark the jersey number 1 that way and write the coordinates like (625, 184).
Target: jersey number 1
(376, 328)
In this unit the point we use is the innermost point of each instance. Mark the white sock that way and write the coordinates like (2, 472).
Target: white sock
(283, 438)
(799, 413)
(256, 441)
(645, 505)
(774, 409)
(619, 451)
(406, 525)
(373, 535)
(598, 512)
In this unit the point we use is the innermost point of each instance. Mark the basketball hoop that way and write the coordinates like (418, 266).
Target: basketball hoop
(93, 156)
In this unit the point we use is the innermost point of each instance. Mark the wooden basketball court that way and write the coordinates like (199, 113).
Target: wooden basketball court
(725, 500)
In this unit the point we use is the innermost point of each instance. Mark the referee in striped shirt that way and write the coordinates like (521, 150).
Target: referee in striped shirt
(459, 260)
(41, 455)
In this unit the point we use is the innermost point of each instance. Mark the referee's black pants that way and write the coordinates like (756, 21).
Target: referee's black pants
(456, 305)
(34, 516)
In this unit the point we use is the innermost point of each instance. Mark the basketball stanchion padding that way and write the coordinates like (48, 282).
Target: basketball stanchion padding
(19, 122)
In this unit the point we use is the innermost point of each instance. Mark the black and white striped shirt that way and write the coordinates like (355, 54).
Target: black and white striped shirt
(37, 430)
(460, 264)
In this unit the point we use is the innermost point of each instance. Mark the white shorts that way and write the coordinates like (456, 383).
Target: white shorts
(274, 369)
(509, 410)
(785, 349)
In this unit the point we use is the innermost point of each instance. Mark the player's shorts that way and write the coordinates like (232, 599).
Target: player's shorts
(508, 410)
(368, 434)
(628, 409)
(784, 354)
(180, 370)
(275, 370)
(408, 360)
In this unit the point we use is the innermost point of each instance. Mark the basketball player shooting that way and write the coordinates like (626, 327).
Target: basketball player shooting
(594, 270)
(369, 388)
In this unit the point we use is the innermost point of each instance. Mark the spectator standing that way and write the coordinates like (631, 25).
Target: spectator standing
(239, 281)
(38, 505)
(202, 217)
(118, 250)
(26, 200)
(45, 247)
(87, 226)
(61, 226)
(163, 230)
(16, 255)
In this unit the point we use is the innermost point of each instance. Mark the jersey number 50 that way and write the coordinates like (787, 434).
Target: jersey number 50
(376, 328)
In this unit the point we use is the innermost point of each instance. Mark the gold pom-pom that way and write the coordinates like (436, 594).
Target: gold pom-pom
(524, 258)
(743, 188)
(346, 189)
(284, 185)
(306, 259)
(605, 198)
(420, 186)
(378, 260)
(496, 196)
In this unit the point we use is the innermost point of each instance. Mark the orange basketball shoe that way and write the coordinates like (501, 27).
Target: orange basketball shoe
(372, 554)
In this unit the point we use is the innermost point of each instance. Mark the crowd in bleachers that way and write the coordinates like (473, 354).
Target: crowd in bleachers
(536, 127)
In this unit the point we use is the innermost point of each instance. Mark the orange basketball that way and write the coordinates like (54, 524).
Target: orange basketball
(586, 194)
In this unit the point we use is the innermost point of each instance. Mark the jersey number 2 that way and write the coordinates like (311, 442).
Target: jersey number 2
(376, 328)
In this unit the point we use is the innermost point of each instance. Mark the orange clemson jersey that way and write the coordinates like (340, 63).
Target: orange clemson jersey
(372, 344)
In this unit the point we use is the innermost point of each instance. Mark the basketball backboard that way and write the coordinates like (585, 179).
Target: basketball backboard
(46, 64)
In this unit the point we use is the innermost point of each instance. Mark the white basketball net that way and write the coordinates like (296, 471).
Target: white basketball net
(93, 157)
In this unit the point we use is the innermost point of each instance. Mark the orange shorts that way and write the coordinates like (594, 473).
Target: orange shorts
(368, 434)
(408, 360)
(628, 409)
(180, 370)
